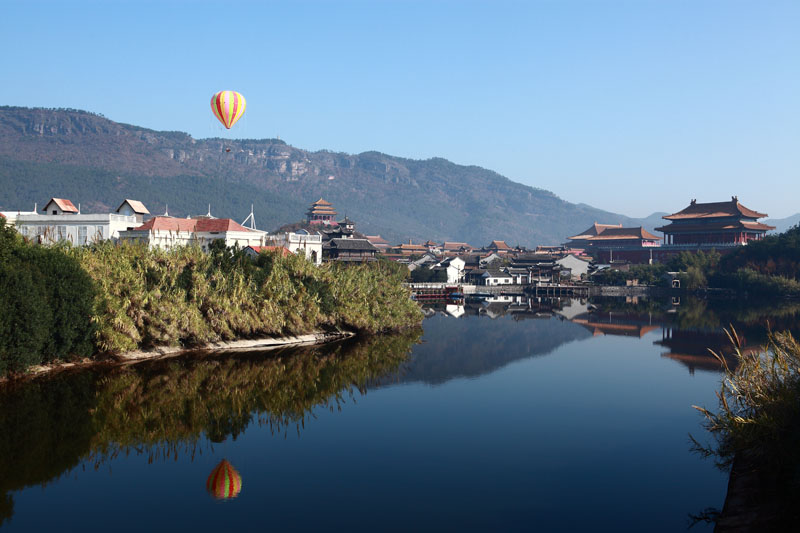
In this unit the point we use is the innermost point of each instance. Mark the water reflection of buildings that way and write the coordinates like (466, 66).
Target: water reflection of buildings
(519, 307)
(626, 330)
(691, 348)
(626, 324)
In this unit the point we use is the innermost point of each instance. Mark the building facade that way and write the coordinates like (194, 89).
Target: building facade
(309, 244)
(167, 232)
(62, 221)
(715, 224)
(349, 250)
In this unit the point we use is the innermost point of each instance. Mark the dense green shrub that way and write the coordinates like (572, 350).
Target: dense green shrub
(775, 255)
(758, 284)
(46, 304)
(60, 302)
(24, 317)
(187, 297)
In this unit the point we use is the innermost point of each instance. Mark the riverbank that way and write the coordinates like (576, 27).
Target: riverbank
(66, 304)
(164, 352)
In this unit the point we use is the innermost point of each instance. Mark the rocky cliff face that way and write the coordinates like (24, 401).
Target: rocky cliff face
(398, 198)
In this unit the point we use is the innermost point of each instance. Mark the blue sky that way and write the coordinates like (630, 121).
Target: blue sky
(632, 106)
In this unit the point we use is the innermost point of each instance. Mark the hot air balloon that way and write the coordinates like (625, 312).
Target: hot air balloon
(228, 107)
(224, 481)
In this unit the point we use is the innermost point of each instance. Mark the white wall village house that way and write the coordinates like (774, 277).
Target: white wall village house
(578, 267)
(165, 232)
(497, 277)
(309, 244)
(454, 266)
(62, 221)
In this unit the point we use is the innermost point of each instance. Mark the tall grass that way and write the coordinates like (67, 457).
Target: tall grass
(759, 405)
(63, 302)
(757, 434)
(187, 297)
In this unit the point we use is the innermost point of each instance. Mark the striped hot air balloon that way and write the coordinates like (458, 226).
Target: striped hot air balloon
(224, 481)
(228, 107)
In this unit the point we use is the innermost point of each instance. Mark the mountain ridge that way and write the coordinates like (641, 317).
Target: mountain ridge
(55, 152)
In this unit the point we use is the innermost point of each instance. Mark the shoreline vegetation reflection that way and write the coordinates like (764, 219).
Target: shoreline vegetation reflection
(161, 409)
(164, 409)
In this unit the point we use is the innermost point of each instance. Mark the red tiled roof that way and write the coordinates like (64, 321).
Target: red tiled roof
(455, 245)
(594, 229)
(280, 249)
(377, 239)
(191, 224)
(218, 224)
(624, 233)
(63, 204)
(719, 226)
(715, 209)
(500, 245)
(137, 207)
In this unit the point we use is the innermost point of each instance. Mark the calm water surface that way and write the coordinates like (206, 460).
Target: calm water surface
(507, 415)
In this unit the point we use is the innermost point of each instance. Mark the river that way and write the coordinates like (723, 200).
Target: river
(504, 415)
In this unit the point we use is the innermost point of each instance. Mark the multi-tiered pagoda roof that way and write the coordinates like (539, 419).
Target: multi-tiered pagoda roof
(714, 223)
(321, 212)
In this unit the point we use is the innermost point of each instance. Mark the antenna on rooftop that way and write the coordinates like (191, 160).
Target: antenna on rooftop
(35, 207)
(251, 217)
(79, 208)
(166, 210)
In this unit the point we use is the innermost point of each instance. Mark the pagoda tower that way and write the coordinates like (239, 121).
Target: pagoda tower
(321, 212)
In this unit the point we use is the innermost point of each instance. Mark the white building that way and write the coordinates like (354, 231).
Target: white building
(62, 221)
(497, 277)
(11, 216)
(454, 266)
(578, 267)
(309, 244)
(166, 232)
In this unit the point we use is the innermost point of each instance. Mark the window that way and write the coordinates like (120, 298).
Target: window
(62, 232)
(82, 235)
(99, 233)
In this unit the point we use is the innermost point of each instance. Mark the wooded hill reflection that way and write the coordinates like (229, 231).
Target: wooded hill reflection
(689, 328)
(49, 426)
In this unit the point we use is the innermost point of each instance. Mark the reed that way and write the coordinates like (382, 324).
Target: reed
(187, 297)
(759, 408)
(64, 302)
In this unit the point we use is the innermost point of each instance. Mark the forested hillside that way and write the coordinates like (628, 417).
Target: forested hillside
(97, 162)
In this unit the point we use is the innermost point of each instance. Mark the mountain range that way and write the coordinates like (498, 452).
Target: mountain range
(97, 162)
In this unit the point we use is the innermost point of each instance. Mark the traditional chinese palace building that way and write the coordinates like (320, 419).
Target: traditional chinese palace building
(716, 224)
(609, 242)
(582, 239)
(321, 212)
(721, 226)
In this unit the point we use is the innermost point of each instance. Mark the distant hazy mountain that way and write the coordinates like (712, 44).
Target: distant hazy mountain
(782, 224)
(97, 162)
(651, 222)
